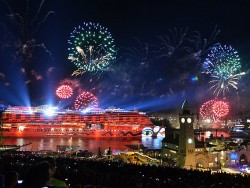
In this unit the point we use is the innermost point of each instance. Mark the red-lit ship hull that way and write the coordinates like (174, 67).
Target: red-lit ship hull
(48, 122)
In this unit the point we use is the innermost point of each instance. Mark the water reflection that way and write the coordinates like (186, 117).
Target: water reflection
(93, 144)
(152, 143)
(90, 144)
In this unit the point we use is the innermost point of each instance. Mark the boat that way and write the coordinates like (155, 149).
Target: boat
(4, 148)
(46, 121)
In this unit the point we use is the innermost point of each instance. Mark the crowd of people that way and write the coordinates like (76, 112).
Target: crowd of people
(34, 171)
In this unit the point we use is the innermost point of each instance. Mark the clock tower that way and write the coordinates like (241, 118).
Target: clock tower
(186, 149)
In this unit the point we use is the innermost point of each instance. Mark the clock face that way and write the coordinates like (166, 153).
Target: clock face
(189, 120)
(190, 141)
(183, 120)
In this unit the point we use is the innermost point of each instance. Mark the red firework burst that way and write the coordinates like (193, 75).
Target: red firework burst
(206, 110)
(64, 91)
(220, 108)
(214, 110)
(85, 100)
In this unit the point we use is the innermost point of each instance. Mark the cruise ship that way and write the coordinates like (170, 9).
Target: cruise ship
(45, 121)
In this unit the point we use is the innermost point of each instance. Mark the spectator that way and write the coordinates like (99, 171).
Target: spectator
(53, 181)
(37, 175)
(1, 174)
(11, 179)
(102, 172)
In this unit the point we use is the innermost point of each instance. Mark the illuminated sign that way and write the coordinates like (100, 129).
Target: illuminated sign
(233, 156)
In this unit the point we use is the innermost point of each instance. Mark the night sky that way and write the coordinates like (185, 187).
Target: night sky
(145, 75)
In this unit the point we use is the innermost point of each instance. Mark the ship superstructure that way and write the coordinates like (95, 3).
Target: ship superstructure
(45, 121)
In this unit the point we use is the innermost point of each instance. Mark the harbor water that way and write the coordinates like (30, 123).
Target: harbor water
(93, 144)
(90, 144)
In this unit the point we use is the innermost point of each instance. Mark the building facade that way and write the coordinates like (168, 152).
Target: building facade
(182, 147)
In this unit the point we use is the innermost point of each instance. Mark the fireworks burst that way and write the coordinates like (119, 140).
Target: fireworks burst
(223, 66)
(91, 48)
(221, 84)
(220, 109)
(64, 91)
(75, 84)
(214, 110)
(206, 112)
(85, 100)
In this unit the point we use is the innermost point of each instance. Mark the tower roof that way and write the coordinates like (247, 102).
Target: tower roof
(185, 107)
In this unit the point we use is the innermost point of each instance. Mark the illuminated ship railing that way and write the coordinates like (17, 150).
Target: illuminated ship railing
(111, 115)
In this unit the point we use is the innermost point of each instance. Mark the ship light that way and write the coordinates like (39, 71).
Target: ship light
(50, 111)
(30, 111)
(207, 134)
(21, 128)
(208, 120)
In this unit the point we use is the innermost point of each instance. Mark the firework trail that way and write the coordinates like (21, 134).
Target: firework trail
(19, 41)
(180, 53)
(20, 31)
(169, 44)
